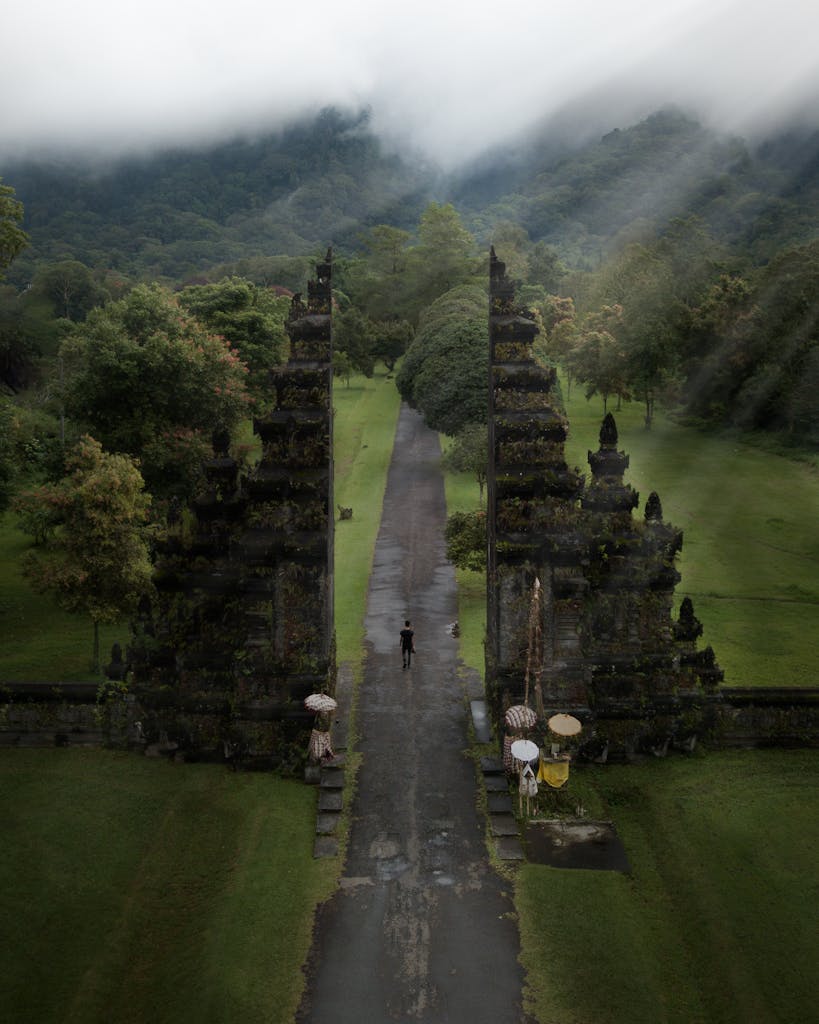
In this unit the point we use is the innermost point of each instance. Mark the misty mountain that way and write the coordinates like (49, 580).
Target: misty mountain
(631, 182)
(175, 214)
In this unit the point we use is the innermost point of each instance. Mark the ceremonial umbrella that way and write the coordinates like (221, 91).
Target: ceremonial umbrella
(320, 702)
(564, 725)
(524, 750)
(519, 716)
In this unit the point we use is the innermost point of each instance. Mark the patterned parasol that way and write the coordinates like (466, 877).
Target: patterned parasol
(519, 716)
(320, 702)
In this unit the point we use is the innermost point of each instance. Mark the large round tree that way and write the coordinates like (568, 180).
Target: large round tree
(145, 378)
(444, 374)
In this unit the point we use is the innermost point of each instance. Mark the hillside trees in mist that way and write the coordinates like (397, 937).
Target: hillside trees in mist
(12, 237)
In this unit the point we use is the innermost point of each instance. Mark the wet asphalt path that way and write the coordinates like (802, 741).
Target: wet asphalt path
(421, 927)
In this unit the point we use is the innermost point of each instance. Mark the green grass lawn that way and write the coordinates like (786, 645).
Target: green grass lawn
(136, 890)
(364, 431)
(750, 558)
(462, 496)
(717, 920)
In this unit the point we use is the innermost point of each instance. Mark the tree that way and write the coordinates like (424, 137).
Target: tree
(249, 318)
(142, 374)
(511, 243)
(545, 267)
(598, 358)
(6, 454)
(470, 453)
(98, 563)
(465, 536)
(445, 371)
(391, 339)
(12, 237)
(71, 289)
(342, 367)
(445, 257)
(353, 333)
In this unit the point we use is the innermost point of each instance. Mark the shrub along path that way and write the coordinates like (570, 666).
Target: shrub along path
(421, 927)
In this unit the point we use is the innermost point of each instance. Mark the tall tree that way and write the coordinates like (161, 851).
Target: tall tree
(12, 237)
(470, 454)
(249, 318)
(98, 563)
(71, 288)
(445, 370)
(445, 257)
(149, 380)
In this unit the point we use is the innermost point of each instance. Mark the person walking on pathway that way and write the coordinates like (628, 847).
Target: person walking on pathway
(407, 643)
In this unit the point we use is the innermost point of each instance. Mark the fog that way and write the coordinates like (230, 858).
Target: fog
(449, 78)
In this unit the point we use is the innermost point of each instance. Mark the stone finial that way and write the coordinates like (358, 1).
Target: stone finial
(688, 626)
(221, 442)
(654, 508)
(116, 668)
(608, 432)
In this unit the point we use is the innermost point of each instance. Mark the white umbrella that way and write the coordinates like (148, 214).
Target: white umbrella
(564, 725)
(320, 702)
(524, 750)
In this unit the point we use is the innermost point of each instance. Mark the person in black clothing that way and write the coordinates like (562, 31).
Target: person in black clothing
(407, 643)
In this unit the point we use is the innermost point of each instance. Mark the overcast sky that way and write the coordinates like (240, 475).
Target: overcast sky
(449, 76)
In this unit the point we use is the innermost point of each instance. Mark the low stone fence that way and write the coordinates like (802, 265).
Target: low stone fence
(160, 723)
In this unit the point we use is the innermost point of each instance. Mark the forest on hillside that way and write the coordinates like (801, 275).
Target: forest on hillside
(144, 300)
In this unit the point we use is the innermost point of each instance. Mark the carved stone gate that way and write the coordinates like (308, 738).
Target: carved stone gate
(608, 648)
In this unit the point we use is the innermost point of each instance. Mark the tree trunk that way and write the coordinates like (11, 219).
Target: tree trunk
(95, 664)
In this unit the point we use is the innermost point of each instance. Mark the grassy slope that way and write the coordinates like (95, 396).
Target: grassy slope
(750, 559)
(716, 922)
(137, 890)
(134, 890)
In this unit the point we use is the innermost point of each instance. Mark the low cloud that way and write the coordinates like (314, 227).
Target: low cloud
(451, 79)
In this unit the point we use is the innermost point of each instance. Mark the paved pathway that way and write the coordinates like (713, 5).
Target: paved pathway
(421, 927)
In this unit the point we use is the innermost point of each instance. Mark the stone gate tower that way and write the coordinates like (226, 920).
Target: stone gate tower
(243, 630)
(608, 649)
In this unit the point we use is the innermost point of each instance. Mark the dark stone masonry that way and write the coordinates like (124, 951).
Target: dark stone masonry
(242, 631)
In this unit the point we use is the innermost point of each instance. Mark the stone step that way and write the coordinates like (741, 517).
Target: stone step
(503, 825)
(332, 779)
(495, 784)
(325, 846)
(499, 803)
(491, 765)
(330, 800)
(327, 822)
(509, 848)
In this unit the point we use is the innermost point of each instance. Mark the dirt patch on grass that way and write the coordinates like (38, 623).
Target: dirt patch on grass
(561, 843)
